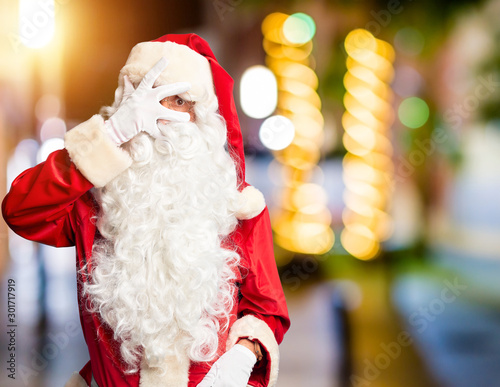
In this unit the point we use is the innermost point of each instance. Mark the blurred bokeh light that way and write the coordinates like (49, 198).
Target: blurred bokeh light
(413, 112)
(276, 132)
(258, 92)
(299, 28)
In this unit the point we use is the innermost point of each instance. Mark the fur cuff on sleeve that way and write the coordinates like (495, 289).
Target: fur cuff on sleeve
(94, 154)
(255, 329)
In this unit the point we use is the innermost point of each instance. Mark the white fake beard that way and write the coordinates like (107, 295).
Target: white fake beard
(161, 279)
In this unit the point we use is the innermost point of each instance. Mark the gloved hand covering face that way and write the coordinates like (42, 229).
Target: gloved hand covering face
(177, 103)
(141, 108)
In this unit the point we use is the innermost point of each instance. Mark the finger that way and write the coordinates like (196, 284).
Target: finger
(154, 132)
(172, 89)
(128, 87)
(151, 76)
(172, 115)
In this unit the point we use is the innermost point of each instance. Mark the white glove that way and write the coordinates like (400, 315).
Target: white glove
(141, 108)
(232, 369)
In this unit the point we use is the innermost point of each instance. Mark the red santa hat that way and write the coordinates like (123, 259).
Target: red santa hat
(191, 59)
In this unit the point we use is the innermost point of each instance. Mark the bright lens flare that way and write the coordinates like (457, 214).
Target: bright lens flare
(36, 22)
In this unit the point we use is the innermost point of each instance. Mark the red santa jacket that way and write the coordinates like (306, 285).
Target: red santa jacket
(51, 204)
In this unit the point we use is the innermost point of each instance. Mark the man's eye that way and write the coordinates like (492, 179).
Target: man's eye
(180, 102)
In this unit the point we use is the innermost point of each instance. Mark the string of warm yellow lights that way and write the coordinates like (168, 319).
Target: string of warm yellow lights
(368, 167)
(302, 220)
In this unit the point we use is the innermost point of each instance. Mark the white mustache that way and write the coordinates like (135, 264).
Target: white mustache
(182, 140)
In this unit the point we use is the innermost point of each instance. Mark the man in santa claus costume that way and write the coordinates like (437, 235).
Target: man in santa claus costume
(177, 283)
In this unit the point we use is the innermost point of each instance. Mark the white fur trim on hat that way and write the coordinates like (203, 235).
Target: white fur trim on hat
(184, 65)
(93, 152)
(76, 380)
(254, 328)
(251, 203)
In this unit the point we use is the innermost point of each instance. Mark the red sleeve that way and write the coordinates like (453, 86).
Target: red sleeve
(262, 310)
(41, 198)
(261, 291)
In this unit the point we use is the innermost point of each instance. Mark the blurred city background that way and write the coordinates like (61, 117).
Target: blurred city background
(372, 128)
